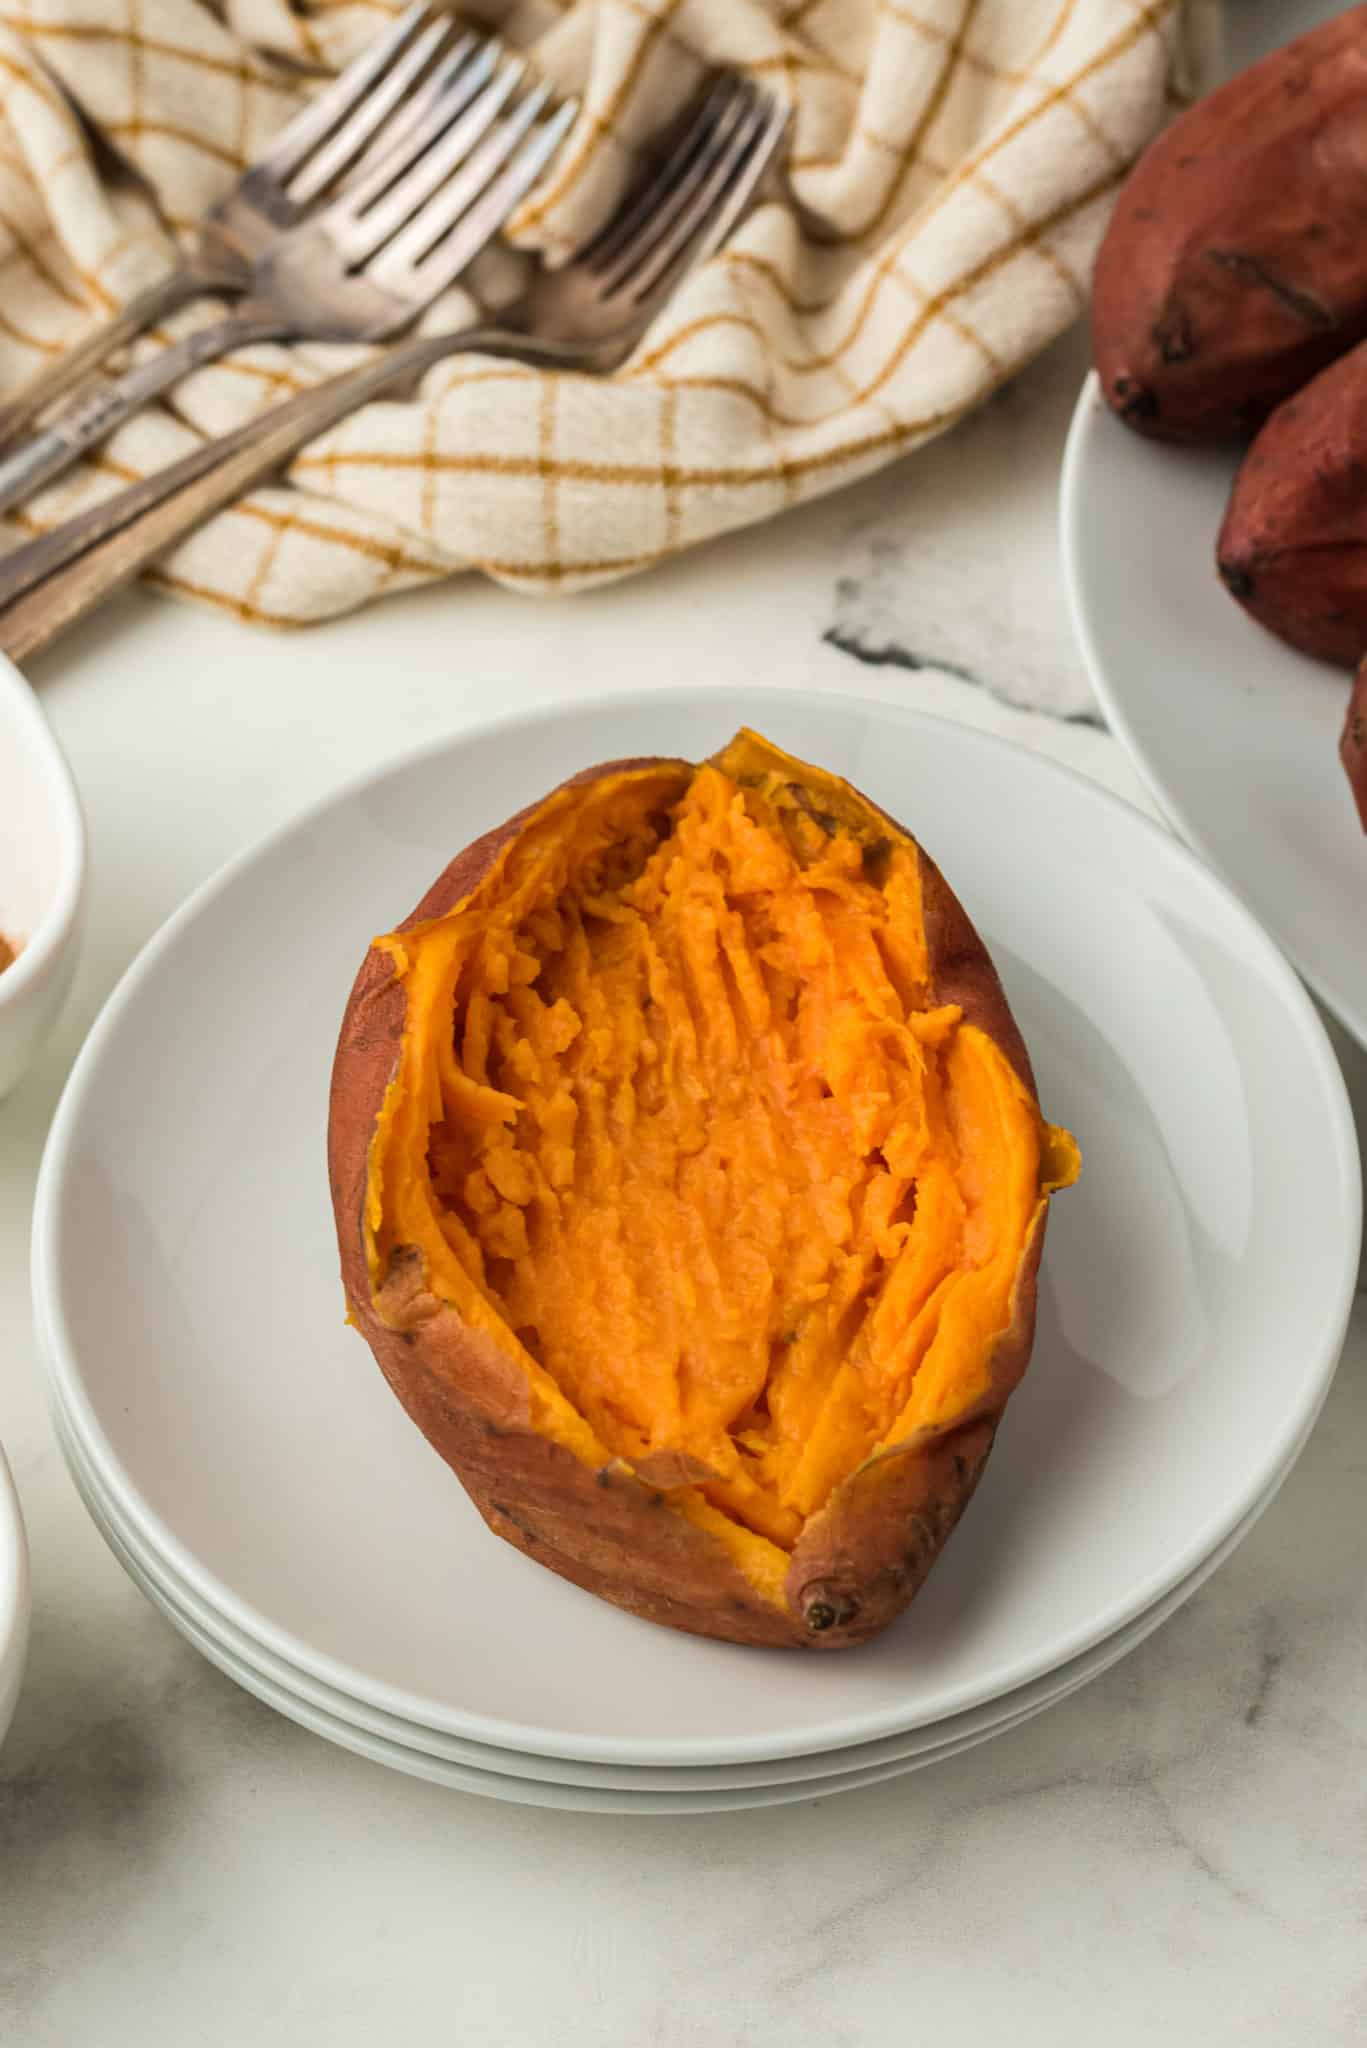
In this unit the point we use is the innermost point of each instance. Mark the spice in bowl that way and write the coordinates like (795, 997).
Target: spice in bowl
(8, 953)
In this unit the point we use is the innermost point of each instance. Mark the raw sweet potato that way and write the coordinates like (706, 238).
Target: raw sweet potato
(1235, 264)
(690, 1188)
(1293, 546)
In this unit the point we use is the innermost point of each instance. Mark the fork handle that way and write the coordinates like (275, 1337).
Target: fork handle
(53, 581)
(88, 421)
(180, 287)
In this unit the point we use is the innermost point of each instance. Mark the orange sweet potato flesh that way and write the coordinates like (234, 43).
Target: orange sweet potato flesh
(1235, 264)
(690, 1188)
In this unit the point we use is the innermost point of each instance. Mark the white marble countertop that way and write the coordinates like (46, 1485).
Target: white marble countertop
(1179, 1850)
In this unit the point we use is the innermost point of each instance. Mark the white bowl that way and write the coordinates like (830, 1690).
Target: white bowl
(42, 875)
(14, 1597)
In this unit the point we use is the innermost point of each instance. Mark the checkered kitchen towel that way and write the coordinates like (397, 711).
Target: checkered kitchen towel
(960, 155)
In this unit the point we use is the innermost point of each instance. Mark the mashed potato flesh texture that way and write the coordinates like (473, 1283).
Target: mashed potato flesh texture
(678, 1124)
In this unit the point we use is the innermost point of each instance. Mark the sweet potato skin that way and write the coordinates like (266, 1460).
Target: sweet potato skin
(1292, 548)
(858, 1563)
(1235, 264)
(1353, 744)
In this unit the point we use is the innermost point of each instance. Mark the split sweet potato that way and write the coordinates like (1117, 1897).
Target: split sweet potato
(690, 1188)
(1235, 264)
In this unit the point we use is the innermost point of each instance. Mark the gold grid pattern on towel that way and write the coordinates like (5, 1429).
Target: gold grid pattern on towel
(956, 159)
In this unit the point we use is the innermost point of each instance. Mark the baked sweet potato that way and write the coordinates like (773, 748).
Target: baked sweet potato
(690, 1188)
(1293, 545)
(1353, 744)
(1235, 264)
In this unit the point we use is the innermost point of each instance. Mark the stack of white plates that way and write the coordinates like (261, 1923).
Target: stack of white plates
(242, 1456)
(14, 1597)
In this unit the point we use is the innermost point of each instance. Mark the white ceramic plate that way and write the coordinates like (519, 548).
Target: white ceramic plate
(14, 1597)
(1194, 1299)
(421, 1763)
(1236, 734)
(657, 1793)
(245, 1660)
(684, 1792)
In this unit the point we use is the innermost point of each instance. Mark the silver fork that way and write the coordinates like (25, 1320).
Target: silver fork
(587, 316)
(296, 174)
(361, 270)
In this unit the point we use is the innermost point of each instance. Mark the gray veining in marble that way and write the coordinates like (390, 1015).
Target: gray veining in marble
(954, 570)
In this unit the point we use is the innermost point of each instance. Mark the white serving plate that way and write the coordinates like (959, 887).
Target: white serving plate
(520, 1791)
(246, 1661)
(1194, 1299)
(1235, 733)
(42, 875)
(660, 1793)
(14, 1597)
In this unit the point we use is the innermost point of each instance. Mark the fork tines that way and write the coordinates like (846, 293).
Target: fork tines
(699, 190)
(415, 153)
(449, 256)
(367, 104)
(437, 195)
(456, 109)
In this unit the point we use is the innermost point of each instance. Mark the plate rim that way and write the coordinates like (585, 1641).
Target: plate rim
(58, 1352)
(1089, 411)
(15, 1593)
(551, 1793)
(165, 1594)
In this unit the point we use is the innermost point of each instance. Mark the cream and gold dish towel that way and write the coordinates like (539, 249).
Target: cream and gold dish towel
(952, 164)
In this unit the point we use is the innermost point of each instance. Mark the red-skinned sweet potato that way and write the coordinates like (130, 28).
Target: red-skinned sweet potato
(1293, 546)
(690, 1189)
(1353, 744)
(1235, 264)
